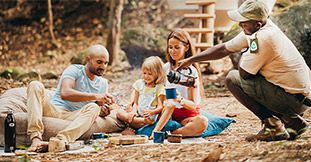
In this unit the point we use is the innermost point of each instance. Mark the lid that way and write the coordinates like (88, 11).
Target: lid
(10, 112)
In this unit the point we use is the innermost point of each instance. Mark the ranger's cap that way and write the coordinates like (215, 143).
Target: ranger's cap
(250, 10)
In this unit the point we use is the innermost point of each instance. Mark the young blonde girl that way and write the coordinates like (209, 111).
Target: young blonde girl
(149, 94)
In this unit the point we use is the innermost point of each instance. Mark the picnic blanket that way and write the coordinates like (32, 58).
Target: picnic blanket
(216, 125)
(90, 147)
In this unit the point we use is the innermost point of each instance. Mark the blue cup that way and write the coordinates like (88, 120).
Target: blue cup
(158, 137)
(170, 93)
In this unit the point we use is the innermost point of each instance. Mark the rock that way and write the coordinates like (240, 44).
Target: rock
(13, 73)
(31, 75)
(231, 115)
(295, 23)
(7, 73)
(49, 75)
(141, 42)
(214, 155)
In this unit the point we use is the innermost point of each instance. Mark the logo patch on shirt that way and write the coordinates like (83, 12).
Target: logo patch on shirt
(254, 45)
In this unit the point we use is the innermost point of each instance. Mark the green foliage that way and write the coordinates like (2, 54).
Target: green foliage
(32, 75)
(79, 58)
(23, 158)
(295, 23)
(96, 146)
(147, 36)
(22, 147)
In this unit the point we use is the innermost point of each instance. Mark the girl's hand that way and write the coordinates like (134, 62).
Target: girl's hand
(133, 113)
(148, 113)
(169, 103)
(151, 137)
(129, 108)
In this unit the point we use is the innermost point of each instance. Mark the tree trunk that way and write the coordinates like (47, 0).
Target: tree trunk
(113, 40)
(51, 25)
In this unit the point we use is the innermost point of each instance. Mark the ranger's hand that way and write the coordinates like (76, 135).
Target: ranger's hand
(184, 63)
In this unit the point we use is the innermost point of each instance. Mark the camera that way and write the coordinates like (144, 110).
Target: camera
(178, 77)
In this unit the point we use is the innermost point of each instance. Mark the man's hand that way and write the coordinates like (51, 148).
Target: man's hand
(105, 98)
(104, 111)
(184, 63)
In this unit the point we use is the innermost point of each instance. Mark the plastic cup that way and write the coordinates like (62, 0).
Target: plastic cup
(170, 93)
(158, 137)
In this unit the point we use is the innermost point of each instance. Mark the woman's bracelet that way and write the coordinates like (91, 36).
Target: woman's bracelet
(181, 101)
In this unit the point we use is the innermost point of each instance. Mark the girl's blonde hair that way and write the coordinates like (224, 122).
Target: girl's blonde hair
(155, 65)
(185, 38)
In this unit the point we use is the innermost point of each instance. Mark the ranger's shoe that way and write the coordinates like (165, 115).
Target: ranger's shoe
(273, 130)
(56, 145)
(295, 126)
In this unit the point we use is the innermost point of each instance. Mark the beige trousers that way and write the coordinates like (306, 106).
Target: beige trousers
(38, 106)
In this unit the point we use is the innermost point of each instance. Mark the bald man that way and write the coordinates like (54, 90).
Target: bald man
(80, 96)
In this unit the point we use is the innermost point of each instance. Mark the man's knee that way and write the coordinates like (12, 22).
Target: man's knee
(93, 107)
(35, 86)
(232, 78)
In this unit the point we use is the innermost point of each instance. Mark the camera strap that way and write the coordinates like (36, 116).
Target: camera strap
(188, 68)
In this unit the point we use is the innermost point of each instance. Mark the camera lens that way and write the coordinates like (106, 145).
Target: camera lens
(173, 77)
(180, 78)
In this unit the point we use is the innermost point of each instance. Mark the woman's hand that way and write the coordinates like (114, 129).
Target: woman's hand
(178, 96)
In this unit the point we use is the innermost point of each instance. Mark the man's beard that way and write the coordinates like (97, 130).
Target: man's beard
(97, 72)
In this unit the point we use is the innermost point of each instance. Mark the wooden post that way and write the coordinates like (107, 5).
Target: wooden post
(113, 40)
(199, 40)
(208, 23)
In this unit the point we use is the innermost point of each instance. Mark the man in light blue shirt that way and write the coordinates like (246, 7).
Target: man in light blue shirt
(82, 83)
(80, 97)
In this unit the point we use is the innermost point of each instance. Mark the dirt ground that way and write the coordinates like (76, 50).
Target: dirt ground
(227, 146)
